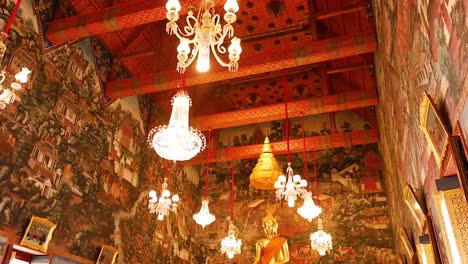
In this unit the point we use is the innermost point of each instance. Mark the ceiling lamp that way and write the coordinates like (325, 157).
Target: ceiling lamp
(7, 95)
(308, 210)
(165, 204)
(230, 245)
(321, 240)
(267, 169)
(204, 217)
(178, 141)
(206, 34)
(293, 186)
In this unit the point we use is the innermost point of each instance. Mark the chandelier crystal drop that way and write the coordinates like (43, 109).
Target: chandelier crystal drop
(205, 33)
(321, 240)
(291, 187)
(230, 245)
(165, 204)
(177, 141)
(309, 210)
(204, 217)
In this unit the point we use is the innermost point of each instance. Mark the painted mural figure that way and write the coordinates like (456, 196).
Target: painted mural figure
(271, 249)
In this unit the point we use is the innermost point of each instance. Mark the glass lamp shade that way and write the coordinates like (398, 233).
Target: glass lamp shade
(22, 76)
(204, 217)
(231, 6)
(177, 141)
(173, 5)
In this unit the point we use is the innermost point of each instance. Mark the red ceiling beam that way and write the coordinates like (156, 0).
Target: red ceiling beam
(311, 106)
(117, 17)
(340, 11)
(315, 52)
(335, 140)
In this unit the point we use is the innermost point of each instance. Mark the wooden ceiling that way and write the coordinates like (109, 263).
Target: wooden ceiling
(325, 47)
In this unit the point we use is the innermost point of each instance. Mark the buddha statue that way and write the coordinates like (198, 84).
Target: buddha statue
(271, 249)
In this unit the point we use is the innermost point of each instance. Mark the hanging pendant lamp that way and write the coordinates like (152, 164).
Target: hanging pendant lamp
(230, 245)
(267, 169)
(291, 186)
(177, 141)
(320, 240)
(204, 217)
(165, 203)
(308, 210)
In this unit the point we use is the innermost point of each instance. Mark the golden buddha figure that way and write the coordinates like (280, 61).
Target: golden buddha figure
(271, 249)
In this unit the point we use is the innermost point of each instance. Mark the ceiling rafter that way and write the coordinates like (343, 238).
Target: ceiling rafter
(114, 18)
(311, 106)
(334, 140)
(315, 52)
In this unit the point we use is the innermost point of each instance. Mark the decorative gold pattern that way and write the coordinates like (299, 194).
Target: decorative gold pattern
(458, 213)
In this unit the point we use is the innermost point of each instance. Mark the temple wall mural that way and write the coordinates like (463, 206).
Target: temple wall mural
(421, 48)
(73, 156)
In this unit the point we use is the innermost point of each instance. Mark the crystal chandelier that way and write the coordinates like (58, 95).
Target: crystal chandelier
(206, 34)
(290, 188)
(321, 240)
(309, 210)
(230, 245)
(293, 186)
(165, 204)
(177, 141)
(204, 217)
(8, 95)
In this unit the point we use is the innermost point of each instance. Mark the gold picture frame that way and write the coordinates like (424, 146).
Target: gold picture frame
(38, 234)
(415, 207)
(107, 255)
(406, 244)
(433, 128)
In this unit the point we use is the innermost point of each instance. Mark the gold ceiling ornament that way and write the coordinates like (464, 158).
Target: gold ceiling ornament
(267, 170)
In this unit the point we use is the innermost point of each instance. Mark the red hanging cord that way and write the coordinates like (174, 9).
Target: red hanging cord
(12, 17)
(306, 170)
(315, 178)
(285, 93)
(232, 191)
(166, 168)
(207, 163)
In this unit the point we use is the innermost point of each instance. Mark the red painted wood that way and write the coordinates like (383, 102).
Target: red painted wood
(312, 106)
(313, 52)
(336, 140)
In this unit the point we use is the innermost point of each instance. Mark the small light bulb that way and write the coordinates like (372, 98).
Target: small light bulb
(22, 76)
(173, 5)
(231, 6)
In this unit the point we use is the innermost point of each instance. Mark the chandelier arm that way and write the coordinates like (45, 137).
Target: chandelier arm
(189, 29)
(220, 61)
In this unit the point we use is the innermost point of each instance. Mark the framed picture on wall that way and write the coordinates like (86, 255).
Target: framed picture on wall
(3, 247)
(38, 234)
(107, 255)
(433, 128)
(415, 207)
(406, 245)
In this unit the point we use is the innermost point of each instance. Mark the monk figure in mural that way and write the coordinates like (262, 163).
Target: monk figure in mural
(271, 249)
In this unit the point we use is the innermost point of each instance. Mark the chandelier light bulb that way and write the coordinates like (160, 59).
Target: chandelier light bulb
(177, 141)
(183, 46)
(22, 76)
(321, 240)
(204, 217)
(203, 62)
(173, 5)
(230, 245)
(291, 187)
(231, 6)
(309, 210)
